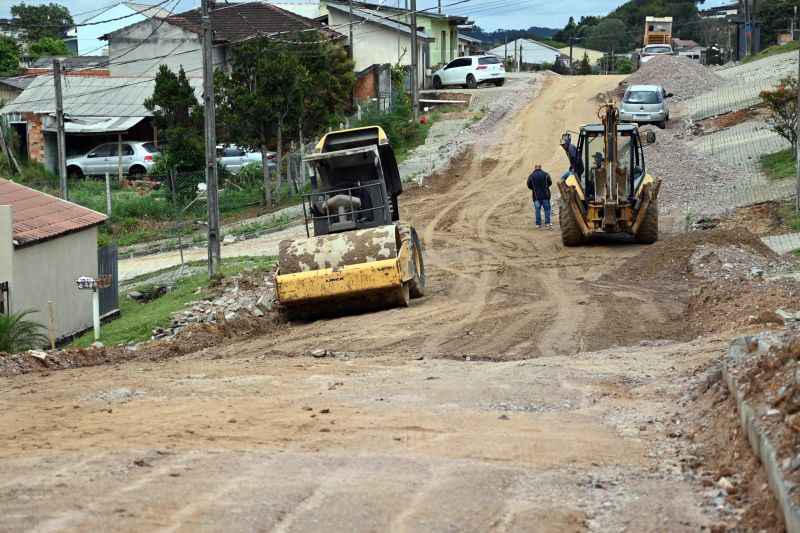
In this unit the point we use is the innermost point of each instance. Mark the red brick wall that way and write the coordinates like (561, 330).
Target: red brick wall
(35, 137)
(90, 73)
(365, 87)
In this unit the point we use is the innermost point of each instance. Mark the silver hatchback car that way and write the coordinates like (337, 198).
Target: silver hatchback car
(645, 104)
(138, 157)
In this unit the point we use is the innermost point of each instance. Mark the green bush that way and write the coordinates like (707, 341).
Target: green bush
(250, 176)
(18, 333)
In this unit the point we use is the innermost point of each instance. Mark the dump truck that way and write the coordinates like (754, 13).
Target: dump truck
(657, 31)
(615, 194)
(361, 256)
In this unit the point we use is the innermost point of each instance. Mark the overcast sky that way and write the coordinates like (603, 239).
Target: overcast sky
(488, 14)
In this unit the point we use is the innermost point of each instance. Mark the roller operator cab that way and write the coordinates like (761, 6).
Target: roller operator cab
(361, 256)
(615, 194)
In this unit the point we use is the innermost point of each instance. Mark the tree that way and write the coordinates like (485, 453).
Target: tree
(178, 116)
(18, 333)
(584, 67)
(607, 35)
(330, 87)
(42, 21)
(46, 47)
(782, 102)
(9, 56)
(264, 92)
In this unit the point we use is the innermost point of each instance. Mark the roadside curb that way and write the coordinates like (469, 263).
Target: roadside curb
(759, 440)
(201, 244)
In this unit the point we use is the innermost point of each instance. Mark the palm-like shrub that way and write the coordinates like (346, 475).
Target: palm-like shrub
(18, 333)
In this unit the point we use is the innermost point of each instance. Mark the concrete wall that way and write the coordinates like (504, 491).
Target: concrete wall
(88, 42)
(377, 44)
(183, 47)
(47, 271)
(373, 43)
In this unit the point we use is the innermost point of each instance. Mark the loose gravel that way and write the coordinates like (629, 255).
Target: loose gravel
(678, 75)
(690, 179)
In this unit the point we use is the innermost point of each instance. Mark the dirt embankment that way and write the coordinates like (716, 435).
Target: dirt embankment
(726, 280)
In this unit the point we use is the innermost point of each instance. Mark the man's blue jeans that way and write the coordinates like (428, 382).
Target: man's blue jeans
(537, 207)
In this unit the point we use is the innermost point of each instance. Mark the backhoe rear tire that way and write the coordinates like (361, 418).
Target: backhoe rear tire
(570, 231)
(648, 231)
(416, 285)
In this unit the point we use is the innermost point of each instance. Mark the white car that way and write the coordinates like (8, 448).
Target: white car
(234, 158)
(469, 71)
(138, 157)
(652, 50)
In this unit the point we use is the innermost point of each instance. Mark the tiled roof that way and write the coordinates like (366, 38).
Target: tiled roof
(240, 22)
(38, 216)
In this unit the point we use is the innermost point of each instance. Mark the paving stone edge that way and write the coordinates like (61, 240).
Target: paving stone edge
(759, 441)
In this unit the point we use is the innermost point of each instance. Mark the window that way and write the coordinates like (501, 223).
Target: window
(641, 97)
(658, 50)
(489, 60)
(104, 150)
(150, 147)
(461, 62)
(127, 149)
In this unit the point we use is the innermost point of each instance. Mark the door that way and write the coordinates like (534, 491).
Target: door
(97, 159)
(456, 71)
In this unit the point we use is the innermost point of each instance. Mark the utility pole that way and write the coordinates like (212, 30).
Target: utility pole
(515, 54)
(505, 53)
(571, 72)
(212, 186)
(62, 150)
(350, 22)
(440, 7)
(414, 63)
(797, 138)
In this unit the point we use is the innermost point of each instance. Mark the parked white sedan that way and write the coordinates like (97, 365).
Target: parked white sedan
(470, 71)
(234, 158)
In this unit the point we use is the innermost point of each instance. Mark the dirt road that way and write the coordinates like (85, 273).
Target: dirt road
(497, 402)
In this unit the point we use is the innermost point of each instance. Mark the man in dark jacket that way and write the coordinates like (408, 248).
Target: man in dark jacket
(575, 162)
(539, 183)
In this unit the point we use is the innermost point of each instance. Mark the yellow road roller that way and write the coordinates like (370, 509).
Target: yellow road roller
(361, 256)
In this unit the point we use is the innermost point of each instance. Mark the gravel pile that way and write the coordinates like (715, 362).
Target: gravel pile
(242, 294)
(678, 75)
(732, 263)
(691, 179)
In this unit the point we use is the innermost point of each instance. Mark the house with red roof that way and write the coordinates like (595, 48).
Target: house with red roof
(46, 244)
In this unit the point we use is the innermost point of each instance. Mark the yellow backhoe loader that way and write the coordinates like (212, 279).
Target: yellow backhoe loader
(361, 256)
(615, 194)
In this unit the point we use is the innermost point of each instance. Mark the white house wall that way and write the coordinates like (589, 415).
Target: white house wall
(47, 271)
(6, 246)
(88, 36)
(143, 55)
(376, 44)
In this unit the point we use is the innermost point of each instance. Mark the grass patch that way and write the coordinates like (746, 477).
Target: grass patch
(789, 216)
(137, 321)
(779, 165)
(773, 51)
